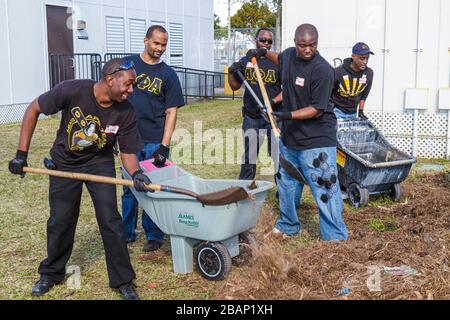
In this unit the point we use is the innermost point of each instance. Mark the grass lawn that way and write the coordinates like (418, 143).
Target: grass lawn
(24, 213)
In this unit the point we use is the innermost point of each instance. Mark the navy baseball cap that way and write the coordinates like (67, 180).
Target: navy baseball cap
(361, 49)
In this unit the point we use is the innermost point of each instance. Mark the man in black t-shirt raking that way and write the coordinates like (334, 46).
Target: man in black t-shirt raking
(308, 135)
(93, 116)
(352, 84)
(254, 126)
(155, 99)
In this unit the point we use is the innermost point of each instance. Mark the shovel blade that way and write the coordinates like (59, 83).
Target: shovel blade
(223, 197)
(292, 170)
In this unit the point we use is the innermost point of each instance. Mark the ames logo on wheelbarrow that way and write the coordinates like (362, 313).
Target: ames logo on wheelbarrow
(187, 219)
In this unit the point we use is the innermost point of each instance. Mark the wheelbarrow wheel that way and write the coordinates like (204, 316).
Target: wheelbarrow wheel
(247, 238)
(212, 260)
(358, 197)
(396, 192)
(247, 242)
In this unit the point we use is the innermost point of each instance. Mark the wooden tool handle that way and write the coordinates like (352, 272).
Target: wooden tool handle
(265, 97)
(88, 177)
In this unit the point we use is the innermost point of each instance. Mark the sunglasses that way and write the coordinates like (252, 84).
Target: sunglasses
(265, 40)
(123, 67)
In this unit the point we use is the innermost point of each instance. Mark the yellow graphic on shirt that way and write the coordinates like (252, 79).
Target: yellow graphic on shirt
(84, 132)
(352, 88)
(268, 76)
(151, 85)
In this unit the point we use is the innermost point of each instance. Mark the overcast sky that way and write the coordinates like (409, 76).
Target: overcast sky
(221, 9)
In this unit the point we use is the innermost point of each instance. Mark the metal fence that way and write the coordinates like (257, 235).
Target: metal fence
(195, 83)
(10, 113)
(77, 66)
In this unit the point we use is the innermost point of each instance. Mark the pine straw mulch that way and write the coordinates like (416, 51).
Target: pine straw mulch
(418, 238)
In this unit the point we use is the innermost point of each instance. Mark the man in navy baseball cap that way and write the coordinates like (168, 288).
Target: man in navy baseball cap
(353, 81)
(361, 49)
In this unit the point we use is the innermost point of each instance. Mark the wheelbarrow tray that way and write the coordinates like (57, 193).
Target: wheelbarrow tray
(366, 158)
(210, 233)
(184, 216)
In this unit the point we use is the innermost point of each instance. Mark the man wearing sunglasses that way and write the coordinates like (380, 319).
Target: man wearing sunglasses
(93, 116)
(156, 98)
(254, 126)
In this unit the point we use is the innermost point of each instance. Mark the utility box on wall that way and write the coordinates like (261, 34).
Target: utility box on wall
(444, 99)
(416, 99)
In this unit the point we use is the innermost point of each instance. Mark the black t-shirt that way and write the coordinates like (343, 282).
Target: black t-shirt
(271, 76)
(307, 83)
(87, 132)
(158, 89)
(351, 87)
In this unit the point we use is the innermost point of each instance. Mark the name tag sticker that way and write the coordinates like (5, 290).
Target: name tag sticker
(363, 80)
(300, 81)
(112, 129)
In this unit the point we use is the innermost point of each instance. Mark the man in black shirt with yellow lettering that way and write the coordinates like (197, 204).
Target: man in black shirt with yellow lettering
(254, 126)
(156, 99)
(308, 132)
(352, 84)
(93, 116)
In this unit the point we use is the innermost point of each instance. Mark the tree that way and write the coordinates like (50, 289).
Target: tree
(216, 22)
(219, 31)
(254, 14)
(277, 7)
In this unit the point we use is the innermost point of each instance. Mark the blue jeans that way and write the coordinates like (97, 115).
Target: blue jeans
(344, 116)
(319, 168)
(130, 206)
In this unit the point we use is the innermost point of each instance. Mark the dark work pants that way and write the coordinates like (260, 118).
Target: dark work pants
(65, 197)
(254, 132)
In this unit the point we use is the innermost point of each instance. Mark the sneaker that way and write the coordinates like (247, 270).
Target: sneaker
(275, 230)
(42, 286)
(128, 291)
(152, 245)
(276, 233)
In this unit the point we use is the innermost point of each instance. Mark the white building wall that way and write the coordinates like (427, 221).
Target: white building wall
(411, 42)
(398, 26)
(23, 36)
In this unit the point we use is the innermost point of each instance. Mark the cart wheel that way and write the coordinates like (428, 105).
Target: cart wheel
(358, 197)
(247, 238)
(396, 192)
(246, 243)
(212, 260)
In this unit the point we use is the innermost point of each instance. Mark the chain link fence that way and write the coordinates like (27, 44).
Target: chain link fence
(10, 113)
(242, 39)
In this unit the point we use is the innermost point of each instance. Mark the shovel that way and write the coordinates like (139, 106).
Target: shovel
(267, 112)
(217, 198)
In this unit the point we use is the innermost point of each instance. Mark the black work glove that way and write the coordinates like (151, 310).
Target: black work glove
(257, 53)
(139, 181)
(274, 104)
(282, 115)
(160, 155)
(361, 114)
(235, 67)
(16, 165)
